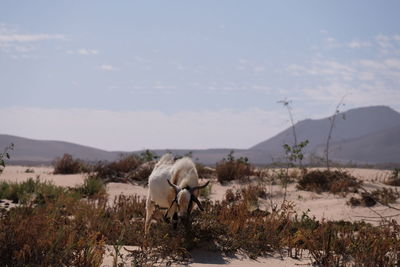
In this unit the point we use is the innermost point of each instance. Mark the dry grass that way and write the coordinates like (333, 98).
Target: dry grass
(68, 230)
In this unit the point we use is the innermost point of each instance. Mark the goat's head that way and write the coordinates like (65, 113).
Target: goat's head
(184, 198)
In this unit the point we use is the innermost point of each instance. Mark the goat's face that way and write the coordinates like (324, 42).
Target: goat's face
(184, 201)
(184, 198)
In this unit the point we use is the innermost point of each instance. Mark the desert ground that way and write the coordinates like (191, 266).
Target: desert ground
(323, 206)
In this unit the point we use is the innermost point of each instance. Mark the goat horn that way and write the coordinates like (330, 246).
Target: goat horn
(194, 198)
(173, 186)
(199, 186)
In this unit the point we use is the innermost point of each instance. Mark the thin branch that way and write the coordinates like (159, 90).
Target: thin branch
(332, 120)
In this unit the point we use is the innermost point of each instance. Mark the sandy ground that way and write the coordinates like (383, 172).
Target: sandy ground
(322, 206)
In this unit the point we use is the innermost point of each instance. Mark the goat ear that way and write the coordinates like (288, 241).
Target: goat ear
(197, 202)
(199, 186)
(173, 186)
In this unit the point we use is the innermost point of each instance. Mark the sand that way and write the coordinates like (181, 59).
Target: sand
(322, 206)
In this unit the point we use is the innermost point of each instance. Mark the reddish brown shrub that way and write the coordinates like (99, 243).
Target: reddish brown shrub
(233, 169)
(67, 165)
(329, 181)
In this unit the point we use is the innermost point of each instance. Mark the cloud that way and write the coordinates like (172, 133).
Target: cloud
(331, 42)
(372, 64)
(19, 45)
(5, 38)
(358, 44)
(323, 68)
(83, 51)
(393, 63)
(107, 67)
(134, 130)
(370, 79)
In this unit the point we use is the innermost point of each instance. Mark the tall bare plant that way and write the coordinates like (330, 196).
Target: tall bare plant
(287, 104)
(293, 153)
(332, 121)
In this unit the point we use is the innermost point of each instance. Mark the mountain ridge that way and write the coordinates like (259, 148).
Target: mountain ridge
(370, 131)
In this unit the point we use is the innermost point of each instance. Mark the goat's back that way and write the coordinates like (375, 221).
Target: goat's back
(184, 173)
(159, 190)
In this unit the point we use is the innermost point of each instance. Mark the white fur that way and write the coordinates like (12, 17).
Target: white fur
(182, 173)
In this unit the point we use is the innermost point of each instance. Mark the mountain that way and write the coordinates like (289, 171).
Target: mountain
(378, 147)
(349, 125)
(366, 135)
(29, 151)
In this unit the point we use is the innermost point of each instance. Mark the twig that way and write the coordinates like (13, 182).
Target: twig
(332, 120)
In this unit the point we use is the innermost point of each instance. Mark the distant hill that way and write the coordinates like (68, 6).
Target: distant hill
(29, 151)
(378, 147)
(366, 135)
(358, 123)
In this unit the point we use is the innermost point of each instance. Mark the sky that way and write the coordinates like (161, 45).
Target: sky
(130, 75)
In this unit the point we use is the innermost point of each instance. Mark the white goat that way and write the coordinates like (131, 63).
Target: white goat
(174, 186)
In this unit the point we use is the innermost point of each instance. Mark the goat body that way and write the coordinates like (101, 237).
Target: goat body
(172, 185)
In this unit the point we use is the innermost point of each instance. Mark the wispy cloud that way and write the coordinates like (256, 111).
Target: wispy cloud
(107, 67)
(83, 51)
(358, 44)
(331, 42)
(369, 80)
(6, 38)
(14, 42)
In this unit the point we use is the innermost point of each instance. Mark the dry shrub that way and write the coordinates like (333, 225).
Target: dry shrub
(68, 165)
(336, 182)
(46, 236)
(142, 172)
(366, 201)
(129, 167)
(227, 226)
(347, 244)
(117, 171)
(72, 232)
(384, 196)
(204, 171)
(394, 179)
(233, 169)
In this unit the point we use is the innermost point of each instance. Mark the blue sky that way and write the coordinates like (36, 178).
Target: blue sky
(129, 75)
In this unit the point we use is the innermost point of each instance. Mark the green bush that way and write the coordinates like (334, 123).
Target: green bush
(92, 186)
(30, 190)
